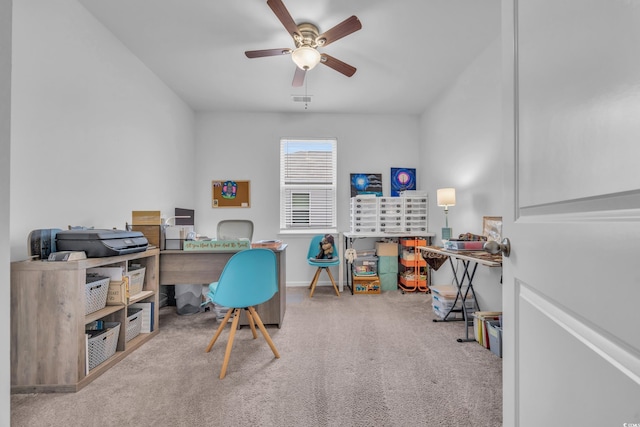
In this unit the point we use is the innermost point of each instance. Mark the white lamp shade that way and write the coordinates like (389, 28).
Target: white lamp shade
(305, 57)
(446, 197)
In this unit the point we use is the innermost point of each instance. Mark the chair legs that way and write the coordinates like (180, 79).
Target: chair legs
(333, 282)
(314, 282)
(232, 335)
(252, 324)
(312, 286)
(223, 323)
(258, 321)
(254, 319)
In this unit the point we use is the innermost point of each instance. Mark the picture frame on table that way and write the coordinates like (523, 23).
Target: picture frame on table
(492, 228)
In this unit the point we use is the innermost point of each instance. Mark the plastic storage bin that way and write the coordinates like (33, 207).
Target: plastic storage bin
(365, 253)
(442, 313)
(495, 338)
(103, 344)
(136, 280)
(96, 291)
(133, 324)
(365, 266)
(446, 291)
(443, 298)
(480, 328)
(447, 303)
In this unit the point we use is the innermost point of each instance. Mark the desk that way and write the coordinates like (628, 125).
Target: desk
(470, 259)
(204, 267)
(347, 242)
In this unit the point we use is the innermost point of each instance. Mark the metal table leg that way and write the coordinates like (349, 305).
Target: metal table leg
(462, 297)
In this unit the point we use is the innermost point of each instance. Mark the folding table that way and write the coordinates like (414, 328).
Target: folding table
(470, 261)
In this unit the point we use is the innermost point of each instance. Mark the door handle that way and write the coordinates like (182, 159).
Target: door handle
(494, 247)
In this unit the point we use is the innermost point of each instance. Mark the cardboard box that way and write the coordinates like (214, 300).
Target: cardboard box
(146, 218)
(366, 285)
(386, 249)
(151, 232)
(118, 292)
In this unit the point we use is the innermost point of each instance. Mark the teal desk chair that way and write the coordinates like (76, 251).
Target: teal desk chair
(249, 278)
(321, 264)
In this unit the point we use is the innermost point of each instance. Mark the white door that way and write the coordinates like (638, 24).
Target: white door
(572, 171)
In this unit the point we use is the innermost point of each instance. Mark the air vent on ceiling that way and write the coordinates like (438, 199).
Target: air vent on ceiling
(300, 98)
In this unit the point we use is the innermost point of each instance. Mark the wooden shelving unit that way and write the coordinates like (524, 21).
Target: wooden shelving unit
(48, 344)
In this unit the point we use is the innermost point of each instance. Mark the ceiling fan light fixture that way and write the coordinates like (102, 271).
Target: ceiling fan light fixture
(305, 57)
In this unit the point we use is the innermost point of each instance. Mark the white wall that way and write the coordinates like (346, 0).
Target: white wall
(95, 134)
(461, 149)
(5, 138)
(246, 146)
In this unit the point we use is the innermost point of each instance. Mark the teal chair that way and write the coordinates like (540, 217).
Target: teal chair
(249, 278)
(321, 264)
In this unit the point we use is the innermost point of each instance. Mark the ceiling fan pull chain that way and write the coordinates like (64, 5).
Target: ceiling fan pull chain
(306, 96)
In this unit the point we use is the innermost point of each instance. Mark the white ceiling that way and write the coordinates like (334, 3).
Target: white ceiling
(406, 51)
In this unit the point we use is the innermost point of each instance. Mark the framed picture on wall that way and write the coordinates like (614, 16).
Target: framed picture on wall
(492, 228)
(230, 193)
(402, 179)
(366, 183)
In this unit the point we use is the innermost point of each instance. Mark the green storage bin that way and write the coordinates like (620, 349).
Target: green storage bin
(388, 281)
(387, 264)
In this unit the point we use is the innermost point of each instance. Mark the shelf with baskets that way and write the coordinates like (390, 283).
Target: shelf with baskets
(413, 275)
(52, 307)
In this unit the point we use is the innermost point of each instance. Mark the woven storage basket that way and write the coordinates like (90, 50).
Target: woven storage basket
(96, 291)
(103, 346)
(136, 281)
(134, 323)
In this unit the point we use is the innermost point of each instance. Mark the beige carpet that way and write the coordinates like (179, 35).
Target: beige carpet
(361, 360)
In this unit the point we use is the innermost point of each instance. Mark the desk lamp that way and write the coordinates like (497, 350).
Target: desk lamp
(446, 197)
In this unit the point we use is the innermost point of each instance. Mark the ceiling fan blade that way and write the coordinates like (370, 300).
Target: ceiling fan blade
(346, 27)
(337, 65)
(298, 77)
(267, 52)
(283, 15)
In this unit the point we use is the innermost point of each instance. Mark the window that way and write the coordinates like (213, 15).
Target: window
(308, 184)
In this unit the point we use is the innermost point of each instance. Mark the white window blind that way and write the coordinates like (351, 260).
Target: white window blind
(308, 184)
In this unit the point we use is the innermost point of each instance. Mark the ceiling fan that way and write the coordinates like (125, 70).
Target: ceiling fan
(307, 39)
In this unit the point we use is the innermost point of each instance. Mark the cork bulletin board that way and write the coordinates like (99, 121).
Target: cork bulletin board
(229, 193)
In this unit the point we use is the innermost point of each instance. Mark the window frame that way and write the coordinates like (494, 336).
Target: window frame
(316, 190)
